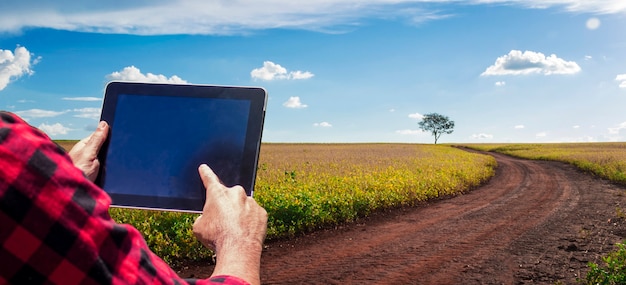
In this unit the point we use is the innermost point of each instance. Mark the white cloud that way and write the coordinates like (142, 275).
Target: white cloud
(14, 65)
(81, 99)
(588, 57)
(576, 127)
(294, 102)
(616, 130)
(585, 139)
(593, 23)
(482, 136)
(54, 129)
(229, 17)
(323, 125)
(529, 62)
(519, 127)
(132, 73)
(300, 75)
(541, 134)
(273, 71)
(622, 79)
(416, 116)
(38, 113)
(409, 132)
(500, 83)
(269, 71)
(392, 110)
(88, 113)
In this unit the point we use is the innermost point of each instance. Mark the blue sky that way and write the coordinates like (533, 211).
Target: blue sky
(335, 70)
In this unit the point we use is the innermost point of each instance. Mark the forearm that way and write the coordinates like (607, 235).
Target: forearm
(241, 260)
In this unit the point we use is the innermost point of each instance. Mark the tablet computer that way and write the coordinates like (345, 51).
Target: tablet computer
(161, 133)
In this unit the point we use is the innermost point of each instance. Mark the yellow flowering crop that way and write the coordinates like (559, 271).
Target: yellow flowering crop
(607, 160)
(306, 186)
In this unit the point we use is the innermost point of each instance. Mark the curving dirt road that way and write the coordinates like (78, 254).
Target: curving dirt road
(533, 222)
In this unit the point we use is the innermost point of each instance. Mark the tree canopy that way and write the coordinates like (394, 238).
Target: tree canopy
(437, 125)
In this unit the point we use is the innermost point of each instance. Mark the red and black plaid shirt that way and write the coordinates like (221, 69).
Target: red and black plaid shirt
(55, 226)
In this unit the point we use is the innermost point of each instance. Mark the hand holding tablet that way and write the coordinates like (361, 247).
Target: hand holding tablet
(161, 133)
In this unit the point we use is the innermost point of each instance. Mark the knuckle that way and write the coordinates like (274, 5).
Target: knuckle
(238, 188)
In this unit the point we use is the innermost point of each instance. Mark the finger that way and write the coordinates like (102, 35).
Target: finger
(96, 140)
(208, 176)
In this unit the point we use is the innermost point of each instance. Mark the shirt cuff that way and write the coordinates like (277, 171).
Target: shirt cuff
(227, 279)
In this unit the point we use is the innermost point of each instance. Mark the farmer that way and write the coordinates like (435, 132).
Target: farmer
(55, 225)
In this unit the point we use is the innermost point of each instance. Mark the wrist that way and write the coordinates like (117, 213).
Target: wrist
(239, 258)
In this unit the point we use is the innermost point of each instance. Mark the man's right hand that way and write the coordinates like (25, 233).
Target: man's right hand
(233, 225)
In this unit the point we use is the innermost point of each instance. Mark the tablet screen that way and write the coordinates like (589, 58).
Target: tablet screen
(160, 134)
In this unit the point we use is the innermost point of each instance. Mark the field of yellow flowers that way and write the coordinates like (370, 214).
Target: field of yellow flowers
(306, 186)
(607, 160)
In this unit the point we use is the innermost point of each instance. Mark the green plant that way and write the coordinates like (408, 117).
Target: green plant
(620, 213)
(168, 234)
(613, 271)
(290, 176)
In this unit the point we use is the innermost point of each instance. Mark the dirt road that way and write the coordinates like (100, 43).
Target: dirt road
(533, 222)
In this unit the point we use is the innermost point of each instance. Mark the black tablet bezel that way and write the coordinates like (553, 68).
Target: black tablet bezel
(255, 95)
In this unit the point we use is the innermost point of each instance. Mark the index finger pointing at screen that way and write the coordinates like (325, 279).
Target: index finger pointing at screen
(208, 176)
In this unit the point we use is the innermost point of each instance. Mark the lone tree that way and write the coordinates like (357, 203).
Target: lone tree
(437, 125)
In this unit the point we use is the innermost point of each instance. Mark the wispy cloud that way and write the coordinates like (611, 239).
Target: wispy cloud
(273, 71)
(518, 127)
(416, 116)
(323, 125)
(294, 103)
(132, 73)
(617, 129)
(14, 65)
(530, 62)
(38, 113)
(228, 17)
(482, 136)
(88, 99)
(88, 113)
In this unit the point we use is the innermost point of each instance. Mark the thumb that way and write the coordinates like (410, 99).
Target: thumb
(96, 140)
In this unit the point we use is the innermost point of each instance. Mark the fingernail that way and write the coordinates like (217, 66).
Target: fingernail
(102, 124)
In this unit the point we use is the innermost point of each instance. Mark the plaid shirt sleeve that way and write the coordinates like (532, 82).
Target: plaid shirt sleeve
(55, 226)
